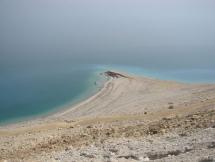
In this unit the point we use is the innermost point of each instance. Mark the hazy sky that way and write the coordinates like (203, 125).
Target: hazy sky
(151, 33)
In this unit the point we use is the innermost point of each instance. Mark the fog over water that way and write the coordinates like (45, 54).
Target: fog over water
(149, 33)
(51, 50)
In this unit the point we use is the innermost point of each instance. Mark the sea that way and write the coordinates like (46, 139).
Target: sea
(37, 91)
(52, 52)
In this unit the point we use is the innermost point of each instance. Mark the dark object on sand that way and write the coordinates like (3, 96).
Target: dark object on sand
(171, 107)
(114, 74)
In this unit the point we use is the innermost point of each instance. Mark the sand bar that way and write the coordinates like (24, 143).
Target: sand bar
(124, 101)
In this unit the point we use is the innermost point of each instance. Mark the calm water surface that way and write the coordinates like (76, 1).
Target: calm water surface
(49, 49)
(35, 90)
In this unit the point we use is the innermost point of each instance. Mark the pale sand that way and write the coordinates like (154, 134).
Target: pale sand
(132, 99)
(136, 95)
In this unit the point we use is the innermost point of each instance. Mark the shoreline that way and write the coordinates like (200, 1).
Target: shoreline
(128, 108)
(56, 114)
(82, 102)
(154, 74)
(59, 112)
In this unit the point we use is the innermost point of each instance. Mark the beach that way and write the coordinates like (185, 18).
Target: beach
(132, 118)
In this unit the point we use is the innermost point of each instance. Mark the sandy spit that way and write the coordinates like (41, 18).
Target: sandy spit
(132, 118)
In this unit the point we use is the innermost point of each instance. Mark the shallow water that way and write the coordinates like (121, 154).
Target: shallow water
(46, 48)
(33, 90)
(181, 75)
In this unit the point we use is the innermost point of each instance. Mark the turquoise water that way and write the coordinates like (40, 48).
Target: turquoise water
(31, 91)
(182, 75)
(37, 90)
(46, 48)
